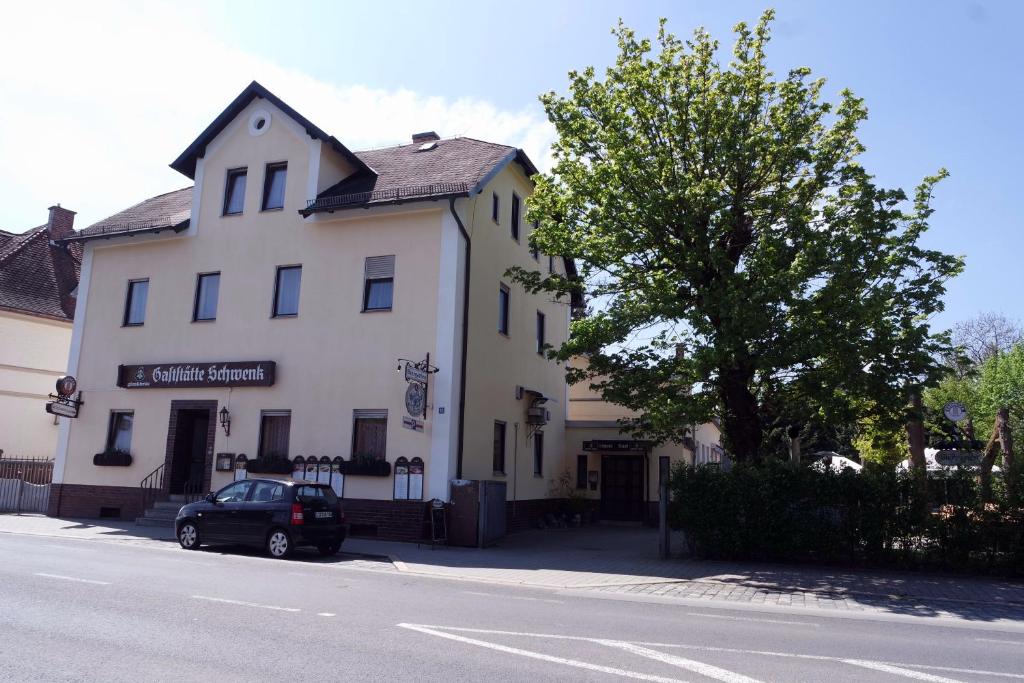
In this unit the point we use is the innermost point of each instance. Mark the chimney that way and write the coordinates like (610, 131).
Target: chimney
(61, 223)
(429, 136)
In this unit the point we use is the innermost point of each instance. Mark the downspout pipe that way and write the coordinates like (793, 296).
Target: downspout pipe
(460, 440)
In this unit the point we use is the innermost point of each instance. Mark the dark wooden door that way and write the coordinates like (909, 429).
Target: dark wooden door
(188, 463)
(622, 487)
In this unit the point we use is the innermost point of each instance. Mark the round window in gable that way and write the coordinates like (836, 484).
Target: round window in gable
(259, 122)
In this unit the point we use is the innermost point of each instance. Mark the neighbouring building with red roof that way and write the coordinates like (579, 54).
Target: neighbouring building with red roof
(38, 281)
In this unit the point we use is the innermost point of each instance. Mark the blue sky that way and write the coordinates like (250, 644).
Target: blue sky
(97, 100)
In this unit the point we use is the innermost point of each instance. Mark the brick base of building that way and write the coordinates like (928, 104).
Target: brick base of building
(394, 520)
(78, 500)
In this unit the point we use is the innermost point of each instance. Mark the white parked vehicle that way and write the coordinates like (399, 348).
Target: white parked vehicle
(835, 462)
(948, 461)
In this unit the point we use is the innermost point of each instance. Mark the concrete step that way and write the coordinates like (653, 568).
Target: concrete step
(167, 505)
(157, 513)
(150, 521)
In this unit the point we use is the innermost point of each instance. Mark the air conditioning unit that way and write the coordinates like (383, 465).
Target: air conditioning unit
(536, 415)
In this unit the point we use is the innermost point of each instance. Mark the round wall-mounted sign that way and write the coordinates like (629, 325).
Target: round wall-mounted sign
(66, 385)
(415, 399)
(955, 411)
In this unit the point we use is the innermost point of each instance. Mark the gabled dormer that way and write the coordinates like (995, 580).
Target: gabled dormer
(260, 107)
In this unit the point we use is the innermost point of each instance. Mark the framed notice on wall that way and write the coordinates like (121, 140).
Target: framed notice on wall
(416, 479)
(402, 479)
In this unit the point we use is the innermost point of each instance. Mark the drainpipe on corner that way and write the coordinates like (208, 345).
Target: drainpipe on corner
(465, 341)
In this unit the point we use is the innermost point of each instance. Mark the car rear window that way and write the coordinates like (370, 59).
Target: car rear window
(311, 493)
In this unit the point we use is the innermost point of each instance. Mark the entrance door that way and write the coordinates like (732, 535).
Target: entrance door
(188, 463)
(622, 487)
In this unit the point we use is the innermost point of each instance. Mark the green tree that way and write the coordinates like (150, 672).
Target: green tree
(738, 258)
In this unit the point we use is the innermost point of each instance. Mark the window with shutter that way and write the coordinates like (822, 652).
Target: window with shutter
(378, 283)
(369, 433)
(275, 432)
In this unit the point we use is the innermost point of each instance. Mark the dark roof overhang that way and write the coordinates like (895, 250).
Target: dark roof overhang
(121, 231)
(186, 162)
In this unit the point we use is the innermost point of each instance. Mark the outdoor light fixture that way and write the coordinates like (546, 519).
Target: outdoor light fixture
(225, 420)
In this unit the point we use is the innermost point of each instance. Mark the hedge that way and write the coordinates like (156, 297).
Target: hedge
(879, 517)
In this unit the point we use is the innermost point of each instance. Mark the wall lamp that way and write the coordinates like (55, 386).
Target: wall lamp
(225, 420)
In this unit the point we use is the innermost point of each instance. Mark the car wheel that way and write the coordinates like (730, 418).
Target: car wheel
(279, 543)
(329, 549)
(188, 536)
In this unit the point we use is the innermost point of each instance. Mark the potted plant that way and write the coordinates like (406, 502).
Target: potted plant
(112, 457)
(366, 465)
(270, 464)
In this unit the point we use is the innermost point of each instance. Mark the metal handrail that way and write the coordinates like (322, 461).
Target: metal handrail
(390, 195)
(152, 485)
(193, 491)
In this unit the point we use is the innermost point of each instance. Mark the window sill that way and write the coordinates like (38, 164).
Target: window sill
(538, 476)
(376, 310)
(132, 324)
(504, 334)
(498, 474)
(284, 316)
(204, 320)
(228, 215)
(272, 209)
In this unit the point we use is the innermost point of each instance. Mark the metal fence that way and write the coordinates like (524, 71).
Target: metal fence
(25, 484)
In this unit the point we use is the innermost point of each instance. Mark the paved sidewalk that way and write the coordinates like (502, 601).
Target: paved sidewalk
(622, 561)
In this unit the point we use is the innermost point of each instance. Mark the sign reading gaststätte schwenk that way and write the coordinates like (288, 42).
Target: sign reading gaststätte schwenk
(247, 373)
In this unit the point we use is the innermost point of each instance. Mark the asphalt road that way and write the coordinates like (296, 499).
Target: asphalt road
(91, 611)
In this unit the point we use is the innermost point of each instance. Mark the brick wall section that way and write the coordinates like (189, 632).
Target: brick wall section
(524, 514)
(77, 500)
(396, 520)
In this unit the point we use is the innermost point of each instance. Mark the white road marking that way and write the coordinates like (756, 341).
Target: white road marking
(996, 640)
(765, 621)
(906, 673)
(543, 657)
(72, 578)
(733, 650)
(325, 614)
(247, 604)
(689, 664)
(514, 597)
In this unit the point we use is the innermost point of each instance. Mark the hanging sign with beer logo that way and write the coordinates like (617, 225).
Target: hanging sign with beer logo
(63, 404)
(249, 373)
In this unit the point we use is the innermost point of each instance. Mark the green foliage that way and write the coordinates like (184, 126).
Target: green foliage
(740, 260)
(998, 382)
(778, 512)
(885, 445)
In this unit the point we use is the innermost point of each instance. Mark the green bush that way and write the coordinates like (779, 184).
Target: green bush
(778, 512)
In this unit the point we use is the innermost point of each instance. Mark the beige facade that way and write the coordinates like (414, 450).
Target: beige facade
(33, 354)
(332, 358)
(624, 473)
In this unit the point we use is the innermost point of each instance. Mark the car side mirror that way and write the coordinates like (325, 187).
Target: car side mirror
(211, 498)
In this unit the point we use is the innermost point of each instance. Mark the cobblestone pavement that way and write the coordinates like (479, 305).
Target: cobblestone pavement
(615, 561)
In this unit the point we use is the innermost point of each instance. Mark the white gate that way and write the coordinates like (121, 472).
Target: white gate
(24, 485)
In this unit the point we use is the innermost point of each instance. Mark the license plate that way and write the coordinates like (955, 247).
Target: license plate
(324, 515)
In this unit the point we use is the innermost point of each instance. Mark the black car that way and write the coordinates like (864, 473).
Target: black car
(276, 514)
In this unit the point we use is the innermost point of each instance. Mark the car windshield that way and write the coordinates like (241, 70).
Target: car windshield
(308, 494)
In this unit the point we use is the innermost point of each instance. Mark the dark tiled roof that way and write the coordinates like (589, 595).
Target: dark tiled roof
(166, 211)
(37, 278)
(453, 167)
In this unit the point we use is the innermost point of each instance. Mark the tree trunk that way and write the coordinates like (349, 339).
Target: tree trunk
(1006, 446)
(915, 434)
(1003, 438)
(989, 459)
(794, 444)
(741, 424)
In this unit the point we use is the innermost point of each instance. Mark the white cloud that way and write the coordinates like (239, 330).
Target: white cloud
(97, 99)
